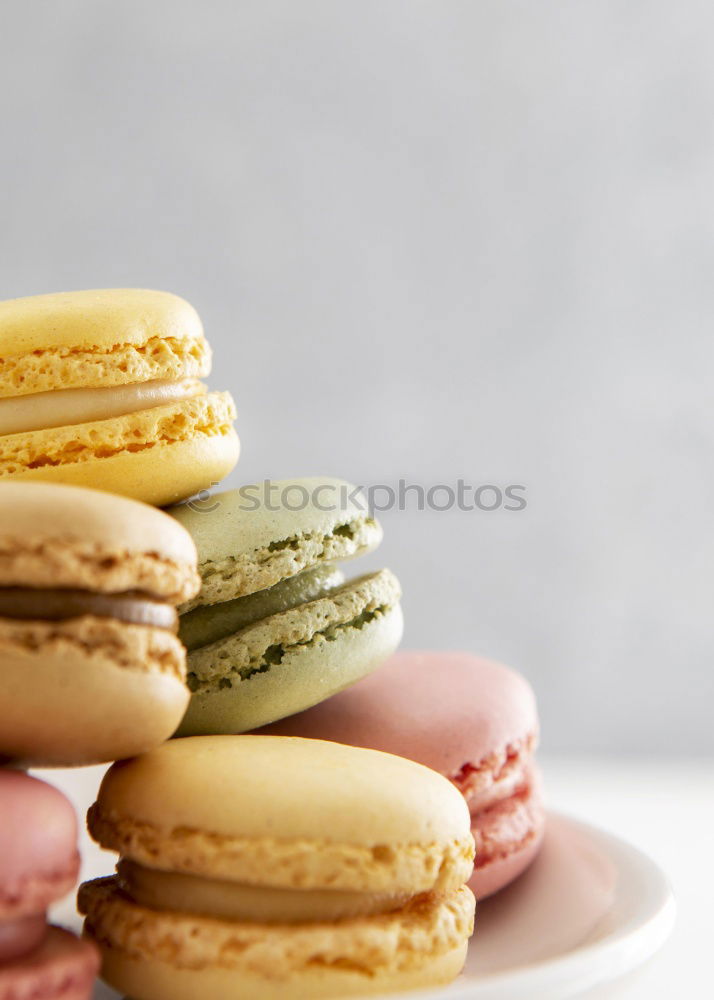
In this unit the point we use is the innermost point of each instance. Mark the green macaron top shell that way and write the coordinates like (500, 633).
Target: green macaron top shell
(251, 538)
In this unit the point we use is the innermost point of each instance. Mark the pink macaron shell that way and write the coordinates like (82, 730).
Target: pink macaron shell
(18, 937)
(39, 861)
(508, 836)
(64, 967)
(500, 872)
(469, 718)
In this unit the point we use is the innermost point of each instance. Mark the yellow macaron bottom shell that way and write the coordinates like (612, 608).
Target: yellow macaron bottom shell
(74, 444)
(150, 954)
(150, 979)
(222, 898)
(161, 455)
(86, 690)
(67, 407)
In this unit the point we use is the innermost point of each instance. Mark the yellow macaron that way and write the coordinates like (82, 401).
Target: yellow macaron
(278, 868)
(102, 389)
(91, 668)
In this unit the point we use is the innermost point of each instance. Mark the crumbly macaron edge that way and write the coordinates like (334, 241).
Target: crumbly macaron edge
(253, 650)
(510, 825)
(208, 415)
(427, 927)
(101, 367)
(287, 864)
(487, 781)
(107, 569)
(244, 573)
(130, 647)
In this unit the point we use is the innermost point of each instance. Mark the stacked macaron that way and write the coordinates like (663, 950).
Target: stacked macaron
(91, 669)
(98, 387)
(39, 864)
(263, 865)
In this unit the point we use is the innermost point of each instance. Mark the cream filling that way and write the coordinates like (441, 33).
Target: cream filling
(213, 622)
(177, 892)
(65, 407)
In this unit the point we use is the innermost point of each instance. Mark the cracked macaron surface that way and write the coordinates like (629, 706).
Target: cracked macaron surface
(103, 388)
(471, 719)
(346, 879)
(91, 668)
(275, 627)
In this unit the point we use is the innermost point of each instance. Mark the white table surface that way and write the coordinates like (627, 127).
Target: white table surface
(665, 808)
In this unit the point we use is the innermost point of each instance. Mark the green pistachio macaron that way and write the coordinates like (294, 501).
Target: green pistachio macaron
(275, 628)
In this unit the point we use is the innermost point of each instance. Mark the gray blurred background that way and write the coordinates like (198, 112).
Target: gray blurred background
(429, 241)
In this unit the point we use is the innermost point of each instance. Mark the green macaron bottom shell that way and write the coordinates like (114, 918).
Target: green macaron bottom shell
(210, 623)
(294, 659)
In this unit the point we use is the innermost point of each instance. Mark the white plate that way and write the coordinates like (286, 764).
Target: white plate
(544, 937)
(591, 909)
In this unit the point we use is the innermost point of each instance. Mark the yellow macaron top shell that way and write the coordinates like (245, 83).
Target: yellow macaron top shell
(98, 337)
(66, 536)
(287, 813)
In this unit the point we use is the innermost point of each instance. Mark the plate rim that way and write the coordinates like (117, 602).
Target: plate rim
(627, 946)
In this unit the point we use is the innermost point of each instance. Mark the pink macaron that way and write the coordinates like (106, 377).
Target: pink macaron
(39, 864)
(474, 721)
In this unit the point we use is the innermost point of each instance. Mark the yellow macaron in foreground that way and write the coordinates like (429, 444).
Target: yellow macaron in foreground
(278, 868)
(102, 388)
